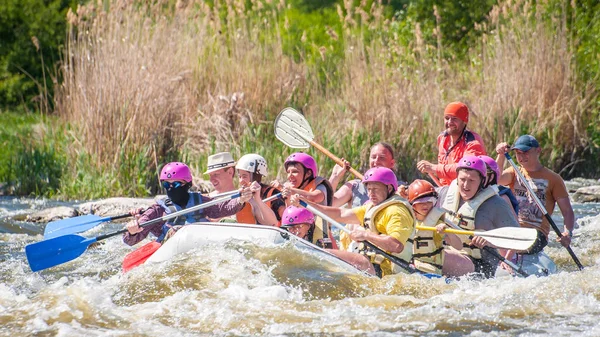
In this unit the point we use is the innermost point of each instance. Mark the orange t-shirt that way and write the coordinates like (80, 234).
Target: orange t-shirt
(469, 143)
(548, 187)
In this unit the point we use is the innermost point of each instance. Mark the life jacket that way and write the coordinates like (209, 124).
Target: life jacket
(170, 207)
(370, 214)
(322, 235)
(503, 190)
(465, 216)
(427, 257)
(246, 215)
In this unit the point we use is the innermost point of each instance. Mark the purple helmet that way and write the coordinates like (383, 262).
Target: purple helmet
(491, 163)
(176, 170)
(381, 175)
(295, 215)
(472, 163)
(304, 159)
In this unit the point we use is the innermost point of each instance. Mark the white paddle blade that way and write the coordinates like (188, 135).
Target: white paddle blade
(514, 233)
(292, 129)
(510, 237)
(509, 243)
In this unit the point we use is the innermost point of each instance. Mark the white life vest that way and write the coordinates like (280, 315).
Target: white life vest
(370, 214)
(465, 215)
(427, 257)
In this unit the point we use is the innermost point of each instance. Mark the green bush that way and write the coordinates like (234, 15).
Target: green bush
(32, 32)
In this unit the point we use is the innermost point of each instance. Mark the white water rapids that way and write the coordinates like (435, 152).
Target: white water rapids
(241, 289)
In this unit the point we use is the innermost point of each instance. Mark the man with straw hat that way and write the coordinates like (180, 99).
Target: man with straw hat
(221, 170)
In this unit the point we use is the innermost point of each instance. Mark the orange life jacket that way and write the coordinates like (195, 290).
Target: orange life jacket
(246, 215)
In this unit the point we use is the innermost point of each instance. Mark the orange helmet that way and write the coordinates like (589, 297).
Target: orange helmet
(419, 189)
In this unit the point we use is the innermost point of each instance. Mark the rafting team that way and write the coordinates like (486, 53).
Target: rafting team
(474, 193)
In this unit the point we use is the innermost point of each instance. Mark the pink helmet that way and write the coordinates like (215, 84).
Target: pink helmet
(294, 215)
(304, 159)
(176, 170)
(382, 175)
(491, 163)
(472, 163)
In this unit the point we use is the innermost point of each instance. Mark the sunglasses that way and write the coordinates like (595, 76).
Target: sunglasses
(176, 184)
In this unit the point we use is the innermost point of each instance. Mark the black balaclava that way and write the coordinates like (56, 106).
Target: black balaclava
(179, 195)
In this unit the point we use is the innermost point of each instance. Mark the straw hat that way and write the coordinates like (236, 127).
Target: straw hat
(219, 161)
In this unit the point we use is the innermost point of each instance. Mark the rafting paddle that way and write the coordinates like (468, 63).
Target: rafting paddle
(497, 255)
(399, 262)
(541, 207)
(140, 255)
(515, 238)
(61, 249)
(292, 129)
(77, 224)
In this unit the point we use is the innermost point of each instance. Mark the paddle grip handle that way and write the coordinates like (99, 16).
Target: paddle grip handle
(542, 208)
(335, 159)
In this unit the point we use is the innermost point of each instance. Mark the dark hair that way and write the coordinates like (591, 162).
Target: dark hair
(387, 146)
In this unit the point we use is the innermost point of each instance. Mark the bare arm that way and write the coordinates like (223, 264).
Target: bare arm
(342, 196)
(263, 213)
(569, 219)
(338, 173)
(384, 242)
(315, 196)
(338, 214)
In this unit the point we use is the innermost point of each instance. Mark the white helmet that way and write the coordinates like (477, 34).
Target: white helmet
(252, 163)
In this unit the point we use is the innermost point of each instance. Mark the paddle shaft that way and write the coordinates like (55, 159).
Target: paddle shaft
(173, 215)
(497, 255)
(542, 208)
(465, 232)
(143, 253)
(332, 157)
(403, 264)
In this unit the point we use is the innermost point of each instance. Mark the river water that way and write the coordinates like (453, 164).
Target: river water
(243, 289)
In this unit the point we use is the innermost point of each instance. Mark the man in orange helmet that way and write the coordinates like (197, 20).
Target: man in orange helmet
(453, 144)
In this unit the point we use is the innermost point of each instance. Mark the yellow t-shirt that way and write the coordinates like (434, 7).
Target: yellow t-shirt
(394, 220)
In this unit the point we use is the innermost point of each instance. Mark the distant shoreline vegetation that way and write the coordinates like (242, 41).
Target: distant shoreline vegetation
(143, 84)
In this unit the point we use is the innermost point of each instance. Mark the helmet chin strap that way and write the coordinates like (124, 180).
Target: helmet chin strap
(304, 178)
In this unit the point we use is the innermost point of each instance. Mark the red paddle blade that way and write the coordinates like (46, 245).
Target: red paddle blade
(139, 255)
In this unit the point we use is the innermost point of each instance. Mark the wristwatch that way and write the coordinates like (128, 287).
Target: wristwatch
(570, 233)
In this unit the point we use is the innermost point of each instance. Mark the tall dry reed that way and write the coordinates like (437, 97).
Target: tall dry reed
(145, 79)
(183, 80)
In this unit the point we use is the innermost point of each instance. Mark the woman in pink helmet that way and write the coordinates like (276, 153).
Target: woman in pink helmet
(176, 179)
(386, 220)
(472, 205)
(303, 179)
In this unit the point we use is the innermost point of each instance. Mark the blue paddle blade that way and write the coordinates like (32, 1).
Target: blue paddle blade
(72, 225)
(49, 253)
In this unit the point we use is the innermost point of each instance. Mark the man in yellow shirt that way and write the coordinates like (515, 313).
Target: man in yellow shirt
(385, 220)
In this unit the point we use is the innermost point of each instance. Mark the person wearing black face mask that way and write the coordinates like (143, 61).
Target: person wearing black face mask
(177, 192)
(176, 179)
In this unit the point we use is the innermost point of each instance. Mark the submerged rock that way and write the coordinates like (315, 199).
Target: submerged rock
(52, 214)
(587, 194)
(574, 184)
(114, 206)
